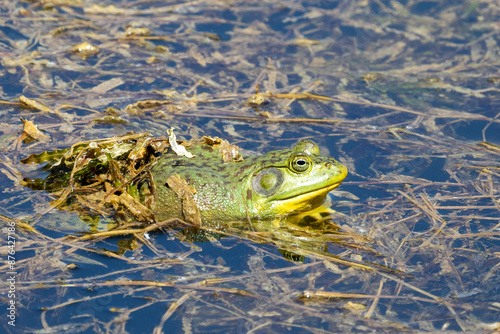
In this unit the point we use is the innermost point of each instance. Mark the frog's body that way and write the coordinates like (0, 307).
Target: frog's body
(275, 184)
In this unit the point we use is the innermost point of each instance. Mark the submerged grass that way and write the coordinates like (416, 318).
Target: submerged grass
(405, 93)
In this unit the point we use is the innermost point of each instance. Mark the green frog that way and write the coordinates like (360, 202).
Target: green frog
(146, 178)
(278, 183)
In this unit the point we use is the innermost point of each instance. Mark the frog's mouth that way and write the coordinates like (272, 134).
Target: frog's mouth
(305, 201)
(311, 194)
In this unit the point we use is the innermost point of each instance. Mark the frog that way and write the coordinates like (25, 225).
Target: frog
(279, 183)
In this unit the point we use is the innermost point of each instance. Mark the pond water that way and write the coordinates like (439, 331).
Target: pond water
(404, 93)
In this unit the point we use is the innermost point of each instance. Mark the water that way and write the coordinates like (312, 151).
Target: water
(414, 117)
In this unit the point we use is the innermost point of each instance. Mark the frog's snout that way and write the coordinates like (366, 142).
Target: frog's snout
(337, 168)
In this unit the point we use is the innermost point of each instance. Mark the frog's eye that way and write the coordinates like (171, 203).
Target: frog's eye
(300, 163)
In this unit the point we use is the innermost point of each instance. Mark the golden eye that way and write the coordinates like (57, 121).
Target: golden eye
(300, 163)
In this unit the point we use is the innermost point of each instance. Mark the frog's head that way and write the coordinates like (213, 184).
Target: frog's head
(292, 181)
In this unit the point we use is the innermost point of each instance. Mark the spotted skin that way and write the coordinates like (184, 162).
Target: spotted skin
(224, 191)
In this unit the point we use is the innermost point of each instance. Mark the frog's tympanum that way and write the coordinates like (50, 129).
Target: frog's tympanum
(275, 184)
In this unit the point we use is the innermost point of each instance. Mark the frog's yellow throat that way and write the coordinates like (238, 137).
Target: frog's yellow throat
(304, 202)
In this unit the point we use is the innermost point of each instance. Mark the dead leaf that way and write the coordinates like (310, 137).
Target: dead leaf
(186, 193)
(138, 107)
(228, 151)
(104, 10)
(135, 31)
(302, 41)
(31, 132)
(134, 207)
(193, 52)
(85, 50)
(34, 104)
(107, 85)
(178, 149)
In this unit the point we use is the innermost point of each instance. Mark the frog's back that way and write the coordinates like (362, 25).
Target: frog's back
(217, 195)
